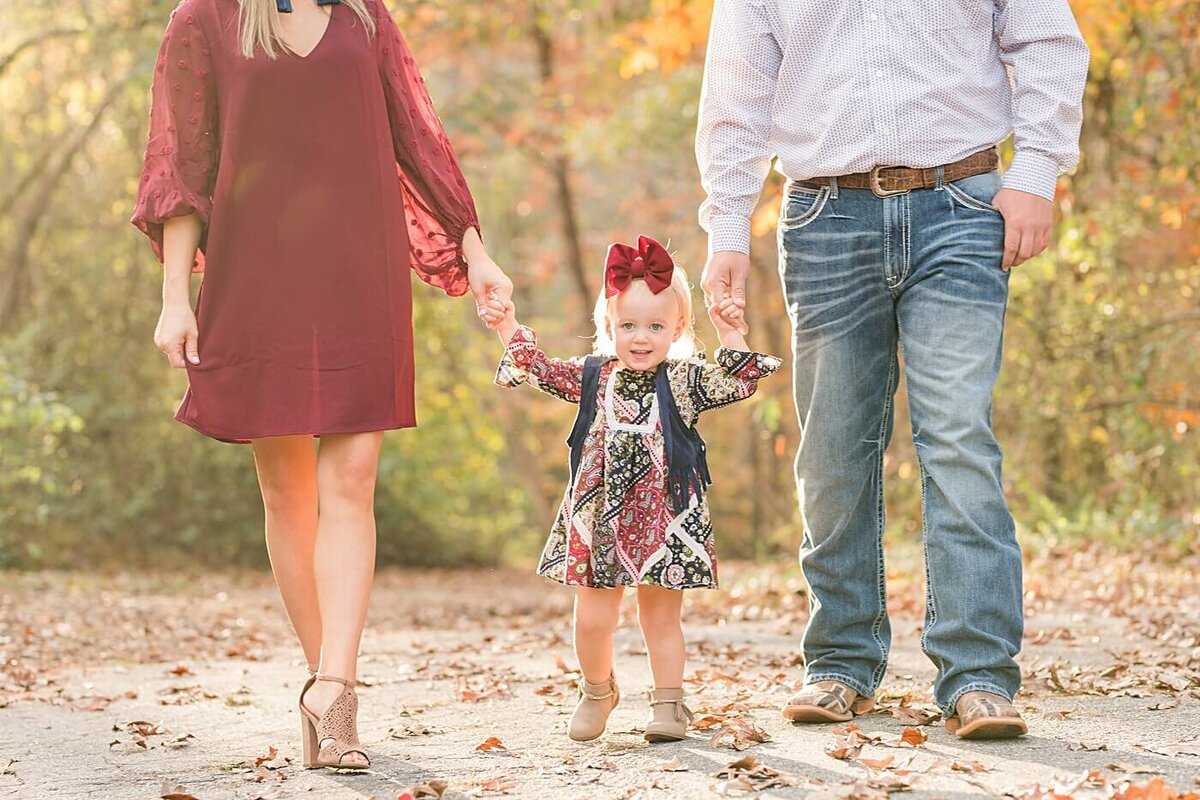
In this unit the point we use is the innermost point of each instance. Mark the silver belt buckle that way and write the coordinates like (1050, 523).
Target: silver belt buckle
(876, 189)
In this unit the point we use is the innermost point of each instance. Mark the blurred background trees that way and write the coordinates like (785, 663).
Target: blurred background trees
(574, 119)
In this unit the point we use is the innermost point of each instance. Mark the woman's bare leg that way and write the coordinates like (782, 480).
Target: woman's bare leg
(287, 477)
(345, 556)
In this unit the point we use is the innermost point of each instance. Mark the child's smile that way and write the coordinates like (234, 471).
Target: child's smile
(643, 325)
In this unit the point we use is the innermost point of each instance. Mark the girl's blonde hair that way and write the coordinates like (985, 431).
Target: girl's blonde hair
(258, 25)
(686, 346)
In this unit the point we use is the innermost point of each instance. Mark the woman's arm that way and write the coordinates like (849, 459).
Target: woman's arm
(176, 333)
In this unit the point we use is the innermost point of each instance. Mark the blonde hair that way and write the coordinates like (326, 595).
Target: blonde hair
(685, 347)
(258, 25)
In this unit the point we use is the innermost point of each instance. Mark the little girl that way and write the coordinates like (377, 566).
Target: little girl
(634, 513)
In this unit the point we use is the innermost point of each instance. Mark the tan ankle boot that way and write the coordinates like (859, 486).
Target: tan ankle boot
(669, 717)
(596, 702)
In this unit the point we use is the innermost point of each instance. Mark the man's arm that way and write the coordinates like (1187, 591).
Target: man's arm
(732, 139)
(1040, 43)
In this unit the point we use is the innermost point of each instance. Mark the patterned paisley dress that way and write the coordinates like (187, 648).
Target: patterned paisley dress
(616, 526)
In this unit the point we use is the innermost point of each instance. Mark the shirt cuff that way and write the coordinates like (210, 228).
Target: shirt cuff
(729, 233)
(1034, 173)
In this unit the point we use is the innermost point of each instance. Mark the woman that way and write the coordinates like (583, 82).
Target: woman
(295, 157)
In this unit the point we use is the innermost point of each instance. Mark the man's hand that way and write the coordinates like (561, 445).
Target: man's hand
(724, 285)
(1027, 222)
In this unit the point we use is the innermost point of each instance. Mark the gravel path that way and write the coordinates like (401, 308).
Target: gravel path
(137, 688)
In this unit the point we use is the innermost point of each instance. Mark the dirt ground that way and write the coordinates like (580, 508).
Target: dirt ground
(170, 686)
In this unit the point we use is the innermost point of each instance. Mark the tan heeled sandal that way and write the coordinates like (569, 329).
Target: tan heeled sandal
(328, 739)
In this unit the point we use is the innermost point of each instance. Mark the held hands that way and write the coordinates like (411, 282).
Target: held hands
(500, 314)
(1028, 219)
(484, 275)
(724, 285)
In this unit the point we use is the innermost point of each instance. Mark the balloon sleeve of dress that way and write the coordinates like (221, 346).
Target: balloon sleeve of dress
(180, 163)
(437, 203)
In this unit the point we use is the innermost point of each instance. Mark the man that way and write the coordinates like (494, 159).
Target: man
(896, 233)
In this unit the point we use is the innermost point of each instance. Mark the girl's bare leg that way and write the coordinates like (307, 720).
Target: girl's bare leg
(659, 612)
(597, 613)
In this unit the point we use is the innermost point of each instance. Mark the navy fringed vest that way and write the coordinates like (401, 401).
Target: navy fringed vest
(687, 464)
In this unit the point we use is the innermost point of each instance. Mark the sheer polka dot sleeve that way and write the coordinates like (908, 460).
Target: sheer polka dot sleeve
(180, 162)
(437, 202)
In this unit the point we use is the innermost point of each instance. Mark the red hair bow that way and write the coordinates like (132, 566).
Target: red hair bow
(649, 261)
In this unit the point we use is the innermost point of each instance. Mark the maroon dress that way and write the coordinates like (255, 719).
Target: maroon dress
(321, 181)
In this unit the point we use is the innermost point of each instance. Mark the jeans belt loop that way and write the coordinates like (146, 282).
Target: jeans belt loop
(941, 179)
(877, 189)
(833, 188)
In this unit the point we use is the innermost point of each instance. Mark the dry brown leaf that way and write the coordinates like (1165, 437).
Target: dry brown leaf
(180, 670)
(1086, 747)
(1169, 703)
(1132, 769)
(877, 763)
(433, 789)
(492, 743)
(913, 736)
(915, 715)
(674, 765)
(970, 766)
(741, 734)
(270, 756)
(174, 791)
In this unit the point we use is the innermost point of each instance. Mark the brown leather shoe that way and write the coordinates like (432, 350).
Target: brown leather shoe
(983, 715)
(596, 702)
(826, 701)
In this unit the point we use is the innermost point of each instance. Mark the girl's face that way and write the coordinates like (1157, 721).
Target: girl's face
(643, 325)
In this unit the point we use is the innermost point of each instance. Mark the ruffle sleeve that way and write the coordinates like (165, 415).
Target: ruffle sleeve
(733, 377)
(524, 361)
(438, 205)
(180, 163)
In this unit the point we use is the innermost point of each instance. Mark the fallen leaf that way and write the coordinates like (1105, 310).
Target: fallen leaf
(915, 715)
(1169, 703)
(180, 670)
(173, 791)
(674, 765)
(433, 789)
(270, 756)
(969, 766)
(1132, 769)
(877, 763)
(492, 743)
(1086, 747)
(913, 736)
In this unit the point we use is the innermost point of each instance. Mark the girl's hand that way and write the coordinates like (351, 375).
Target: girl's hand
(500, 315)
(728, 330)
(177, 334)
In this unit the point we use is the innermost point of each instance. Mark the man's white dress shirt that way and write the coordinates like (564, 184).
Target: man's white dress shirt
(833, 87)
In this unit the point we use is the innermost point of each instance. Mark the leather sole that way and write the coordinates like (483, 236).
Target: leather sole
(988, 728)
(818, 714)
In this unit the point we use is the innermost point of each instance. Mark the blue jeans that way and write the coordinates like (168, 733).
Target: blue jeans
(863, 277)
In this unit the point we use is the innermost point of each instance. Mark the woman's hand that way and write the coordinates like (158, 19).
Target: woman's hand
(177, 334)
(486, 278)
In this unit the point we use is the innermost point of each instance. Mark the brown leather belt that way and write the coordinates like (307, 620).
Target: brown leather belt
(885, 181)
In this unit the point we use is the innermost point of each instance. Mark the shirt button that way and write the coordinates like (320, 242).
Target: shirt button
(874, 17)
(878, 73)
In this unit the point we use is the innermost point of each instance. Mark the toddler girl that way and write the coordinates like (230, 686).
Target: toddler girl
(634, 512)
